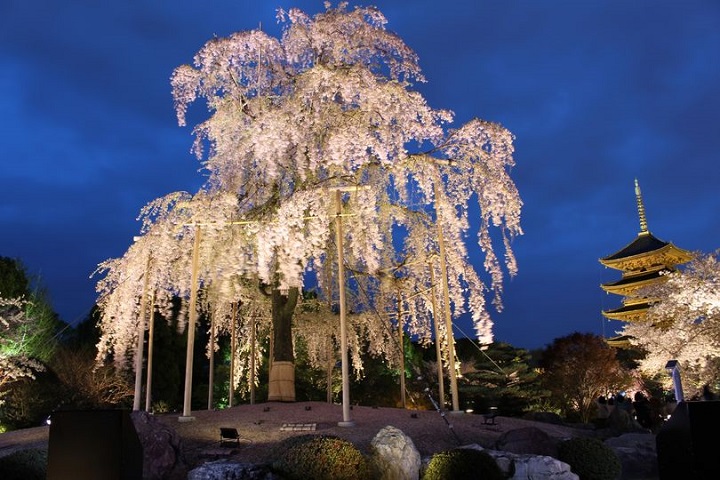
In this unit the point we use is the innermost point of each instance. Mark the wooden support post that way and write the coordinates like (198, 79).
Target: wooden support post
(438, 345)
(151, 335)
(191, 329)
(346, 422)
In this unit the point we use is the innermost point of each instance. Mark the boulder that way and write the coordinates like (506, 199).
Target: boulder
(637, 454)
(395, 455)
(162, 452)
(224, 470)
(529, 467)
(528, 440)
(621, 421)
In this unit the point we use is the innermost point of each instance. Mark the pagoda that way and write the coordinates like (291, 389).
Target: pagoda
(642, 263)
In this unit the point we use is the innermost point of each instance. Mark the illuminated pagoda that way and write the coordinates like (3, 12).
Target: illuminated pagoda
(641, 262)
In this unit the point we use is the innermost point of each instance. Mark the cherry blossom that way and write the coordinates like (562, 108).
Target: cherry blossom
(329, 105)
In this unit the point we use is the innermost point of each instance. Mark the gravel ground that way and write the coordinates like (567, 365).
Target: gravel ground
(261, 428)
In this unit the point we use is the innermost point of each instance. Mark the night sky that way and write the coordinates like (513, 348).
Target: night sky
(598, 93)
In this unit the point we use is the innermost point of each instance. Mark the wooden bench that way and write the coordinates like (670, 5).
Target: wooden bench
(229, 437)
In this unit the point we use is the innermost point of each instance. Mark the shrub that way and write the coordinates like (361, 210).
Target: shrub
(590, 459)
(321, 457)
(24, 465)
(462, 463)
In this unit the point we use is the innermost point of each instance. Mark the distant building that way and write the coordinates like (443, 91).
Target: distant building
(641, 262)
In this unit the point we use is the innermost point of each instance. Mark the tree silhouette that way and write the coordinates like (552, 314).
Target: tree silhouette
(578, 369)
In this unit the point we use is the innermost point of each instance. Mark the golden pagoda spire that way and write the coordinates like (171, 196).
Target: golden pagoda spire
(641, 209)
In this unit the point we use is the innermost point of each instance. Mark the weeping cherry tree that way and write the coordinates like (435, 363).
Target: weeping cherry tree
(684, 324)
(315, 138)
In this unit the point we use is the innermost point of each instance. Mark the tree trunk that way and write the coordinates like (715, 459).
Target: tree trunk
(281, 387)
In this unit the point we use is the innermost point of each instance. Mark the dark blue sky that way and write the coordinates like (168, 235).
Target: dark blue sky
(597, 93)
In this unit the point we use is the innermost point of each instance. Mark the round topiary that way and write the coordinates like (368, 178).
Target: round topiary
(590, 459)
(462, 463)
(321, 457)
(24, 465)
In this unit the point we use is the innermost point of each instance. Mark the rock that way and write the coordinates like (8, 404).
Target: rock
(637, 454)
(620, 421)
(395, 455)
(224, 470)
(528, 440)
(529, 467)
(162, 452)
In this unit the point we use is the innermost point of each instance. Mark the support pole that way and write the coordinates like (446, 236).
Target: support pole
(402, 352)
(347, 422)
(252, 359)
(141, 339)
(448, 318)
(438, 346)
(211, 373)
(191, 330)
(231, 393)
(151, 335)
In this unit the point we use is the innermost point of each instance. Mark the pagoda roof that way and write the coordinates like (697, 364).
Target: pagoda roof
(620, 341)
(633, 282)
(646, 251)
(628, 313)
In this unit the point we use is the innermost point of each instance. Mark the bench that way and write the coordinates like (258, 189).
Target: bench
(489, 417)
(229, 436)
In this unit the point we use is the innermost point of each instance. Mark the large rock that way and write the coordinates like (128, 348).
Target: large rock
(395, 455)
(162, 452)
(621, 421)
(637, 454)
(224, 470)
(529, 467)
(528, 440)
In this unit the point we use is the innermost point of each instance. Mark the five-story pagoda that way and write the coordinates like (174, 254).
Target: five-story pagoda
(642, 263)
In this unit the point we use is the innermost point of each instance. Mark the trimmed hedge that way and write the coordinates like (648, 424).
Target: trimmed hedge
(321, 457)
(24, 465)
(590, 459)
(462, 463)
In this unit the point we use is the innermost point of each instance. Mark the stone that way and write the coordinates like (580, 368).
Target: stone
(225, 470)
(528, 440)
(529, 467)
(621, 421)
(395, 455)
(637, 454)
(162, 451)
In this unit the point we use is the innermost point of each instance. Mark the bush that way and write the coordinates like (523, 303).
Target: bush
(24, 465)
(590, 459)
(321, 457)
(462, 463)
